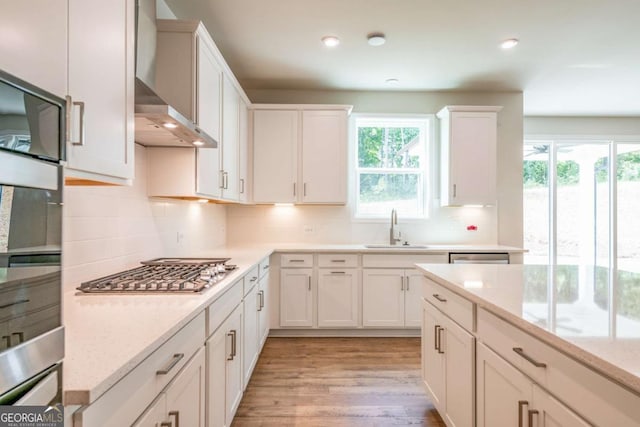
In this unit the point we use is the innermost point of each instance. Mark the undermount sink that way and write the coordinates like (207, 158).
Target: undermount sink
(387, 246)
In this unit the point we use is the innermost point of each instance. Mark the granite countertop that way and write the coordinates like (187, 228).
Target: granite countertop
(561, 306)
(106, 336)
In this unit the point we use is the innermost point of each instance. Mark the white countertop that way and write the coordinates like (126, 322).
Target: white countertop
(106, 336)
(576, 320)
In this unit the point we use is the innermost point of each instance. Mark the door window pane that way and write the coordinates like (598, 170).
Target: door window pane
(536, 202)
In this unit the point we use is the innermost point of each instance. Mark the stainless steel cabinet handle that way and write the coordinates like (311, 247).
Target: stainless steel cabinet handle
(338, 260)
(338, 272)
(7, 340)
(226, 180)
(174, 361)
(455, 187)
(402, 283)
(435, 337)
(296, 260)
(22, 301)
(266, 267)
(177, 415)
(260, 300)
(439, 298)
(304, 189)
(232, 334)
(309, 282)
(80, 141)
(407, 282)
(294, 189)
(532, 412)
(241, 185)
(521, 403)
(166, 424)
(440, 350)
(253, 279)
(520, 352)
(20, 336)
(221, 179)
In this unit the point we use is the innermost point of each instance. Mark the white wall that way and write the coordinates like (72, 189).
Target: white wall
(110, 229)
(333, 224)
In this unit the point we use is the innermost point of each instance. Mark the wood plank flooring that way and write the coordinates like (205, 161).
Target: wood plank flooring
(337, 382)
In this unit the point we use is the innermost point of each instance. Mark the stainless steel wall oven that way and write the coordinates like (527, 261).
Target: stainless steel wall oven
(32, 131)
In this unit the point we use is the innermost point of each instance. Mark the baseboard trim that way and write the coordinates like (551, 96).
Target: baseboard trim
(344, 333)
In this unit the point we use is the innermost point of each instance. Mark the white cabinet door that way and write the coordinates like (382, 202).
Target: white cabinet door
(185, 395)
(208, 172)
(458, 346)
(504, 395)
(243, 152)
(383, 298)
(413, 298)
(208, 88)
(101, 77)
(338, 298)
(433, 366)
(263, 311)
(230, 140)
(155, 414)
(549, 412)
(275, 142)
(296, 297)
(250, 333)
(33, 45)
(234, 365)
(324, 156)
(468, 153)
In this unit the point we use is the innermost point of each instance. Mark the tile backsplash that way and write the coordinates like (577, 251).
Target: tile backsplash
(109, 229)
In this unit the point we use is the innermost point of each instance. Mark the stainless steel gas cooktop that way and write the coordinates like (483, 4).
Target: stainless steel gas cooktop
(168, 275)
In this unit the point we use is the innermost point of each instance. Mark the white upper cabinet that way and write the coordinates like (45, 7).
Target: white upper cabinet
(33, 46)
(300, 153)
(100, 84)
(468, 141)
(230, 140)
(193, 77)
(275, 142)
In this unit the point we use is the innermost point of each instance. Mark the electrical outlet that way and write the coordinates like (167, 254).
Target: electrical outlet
(179, 237)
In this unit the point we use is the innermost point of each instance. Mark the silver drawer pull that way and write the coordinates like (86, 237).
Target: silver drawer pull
(440, 350)
(266, 267)
(296, 260)
(177, 415)
(520, 352)
(166, 424)
(253, 279)
(338, 260)
(439, 298)
(174, 361)
(521, 403)
(532, 412)
(338, 272)
(20, 336)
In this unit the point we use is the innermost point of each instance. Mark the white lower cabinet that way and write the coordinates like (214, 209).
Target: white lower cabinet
(296, 297)
(338, 298)
(182, 402)
(250, 332)
(224, 377)
(391, 298)
(506, 397)
(263, 311)
(448, 367)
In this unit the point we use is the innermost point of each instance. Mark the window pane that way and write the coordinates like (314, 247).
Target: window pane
(389, 147)
(536, 203)
(379, 193)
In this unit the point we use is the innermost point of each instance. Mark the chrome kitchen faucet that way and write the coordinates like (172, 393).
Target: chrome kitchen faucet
(393, 240)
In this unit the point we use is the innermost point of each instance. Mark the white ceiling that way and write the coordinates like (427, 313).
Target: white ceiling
(575, 57)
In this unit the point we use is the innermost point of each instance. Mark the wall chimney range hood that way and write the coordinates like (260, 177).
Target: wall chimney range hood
(156, 122)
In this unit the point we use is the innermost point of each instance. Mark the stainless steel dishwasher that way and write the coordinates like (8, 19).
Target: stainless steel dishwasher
(478, 258)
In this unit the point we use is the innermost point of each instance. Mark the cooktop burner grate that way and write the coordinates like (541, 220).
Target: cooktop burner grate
(175, 275)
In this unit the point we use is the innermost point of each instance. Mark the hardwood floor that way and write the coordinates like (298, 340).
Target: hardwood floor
(337, 382)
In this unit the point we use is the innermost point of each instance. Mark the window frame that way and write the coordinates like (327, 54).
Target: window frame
(426, 172)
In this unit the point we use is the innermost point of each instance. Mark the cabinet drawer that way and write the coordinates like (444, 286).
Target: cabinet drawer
(296, 260)
(453, 305)
(128, 398)
(588, 393)
(401, 261)
(264, 267)
(251, 279)
(223, 306)
(338, 260)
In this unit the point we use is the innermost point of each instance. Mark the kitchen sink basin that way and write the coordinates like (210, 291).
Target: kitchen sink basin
(386, 246)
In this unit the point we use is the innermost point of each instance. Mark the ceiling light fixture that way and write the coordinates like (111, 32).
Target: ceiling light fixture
(509, 43)
(376, 39)
(392, 82)
(330, 41)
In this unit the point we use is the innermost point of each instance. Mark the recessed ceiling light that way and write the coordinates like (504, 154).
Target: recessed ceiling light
(198, 142)
(376, 39)
(509, 43)
(392, 82)
(170, 125)
(330, 41)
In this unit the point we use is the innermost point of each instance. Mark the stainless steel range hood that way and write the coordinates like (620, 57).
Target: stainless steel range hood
(156, 122)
